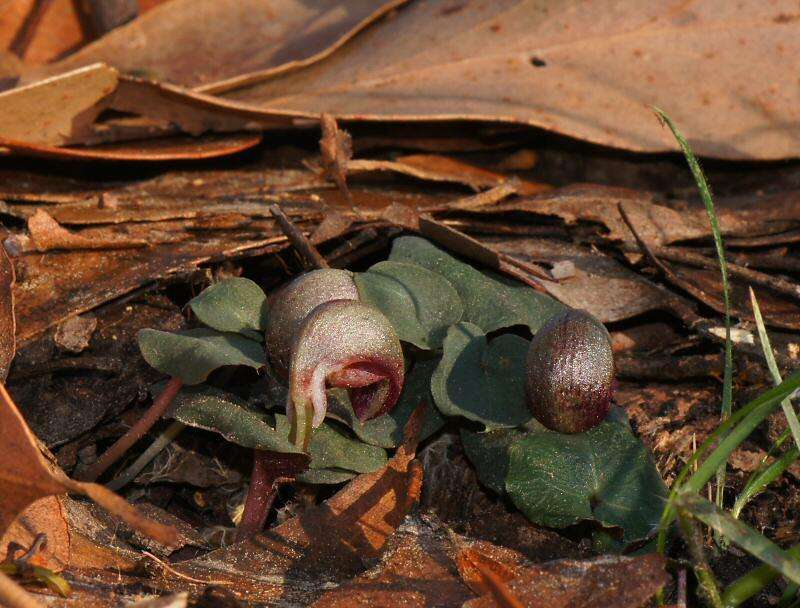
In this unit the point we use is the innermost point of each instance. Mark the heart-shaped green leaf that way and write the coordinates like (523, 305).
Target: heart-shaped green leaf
(421, 304)
(235, 305)
(330, 449)
(325, 476)
(387, 430)
(604, 474)
(193, 354)
(490, 301)
(482, 381)
(212, 409)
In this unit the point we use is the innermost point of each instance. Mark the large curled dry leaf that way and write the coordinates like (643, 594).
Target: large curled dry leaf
(195, 42)
(590, 71)
(25, 476)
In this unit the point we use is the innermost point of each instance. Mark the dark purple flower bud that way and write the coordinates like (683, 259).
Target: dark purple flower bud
(569, 373)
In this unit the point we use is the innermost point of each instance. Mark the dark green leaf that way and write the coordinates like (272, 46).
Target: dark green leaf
(490, 301)
(482, 381)
(325, 476)
(604, 474)
(330, 449)
(193, 354)
(421, 304)
(488, 453)
(212, 409)
(235, 305)
(387, 430)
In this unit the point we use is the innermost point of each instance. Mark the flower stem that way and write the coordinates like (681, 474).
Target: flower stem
(260, 496)
(136, 432)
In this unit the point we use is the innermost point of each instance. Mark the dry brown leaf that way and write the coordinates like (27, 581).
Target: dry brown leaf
(25, 476)
(44, 516)
(336, 148)
(40, 31)
(605, 582)
(57, 110)
(7, 318)
(415, 571)
(46, 235)
(326, 543)
(437, 168)
(588, 71)
(484, 573)
(155, 150)
(193, 42)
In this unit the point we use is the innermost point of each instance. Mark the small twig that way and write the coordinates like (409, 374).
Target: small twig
(681, 600)
(708, 586)
(136, 432)
(180, 575)
(155, 448)
(298, 240)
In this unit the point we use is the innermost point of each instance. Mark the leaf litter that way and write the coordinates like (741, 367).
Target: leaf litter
(95, 237)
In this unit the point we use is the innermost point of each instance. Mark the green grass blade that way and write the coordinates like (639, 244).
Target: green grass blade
(745, 419)
(786, 404)
(739, 533)
(762, 478)
(748, 585)
(705, 194)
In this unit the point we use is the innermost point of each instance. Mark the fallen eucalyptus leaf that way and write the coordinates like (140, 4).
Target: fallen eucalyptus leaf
(421, 304)
(480, 380)
(233, 305)
(490, 301)
(193, 354)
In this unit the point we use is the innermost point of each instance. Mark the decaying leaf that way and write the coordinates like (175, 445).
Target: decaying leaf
(25, 476)
(538, 62)
(46, 234)
(616, 582)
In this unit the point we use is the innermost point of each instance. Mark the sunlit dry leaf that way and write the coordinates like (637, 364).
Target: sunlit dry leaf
(336, 148)
(537, 63)
(605, 582)
(59, 109)
(25, 476)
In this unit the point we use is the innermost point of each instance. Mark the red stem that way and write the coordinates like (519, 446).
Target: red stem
(136, 432)
(260, 496)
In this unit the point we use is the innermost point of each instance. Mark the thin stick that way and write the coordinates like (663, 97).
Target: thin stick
(136, 432)
(298, 240)
(161, 442)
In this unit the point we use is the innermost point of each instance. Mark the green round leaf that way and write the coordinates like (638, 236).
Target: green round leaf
(193, 354)
(482, 381)
(330, 449)
(421, 304)
(490, 301)
(387, 430)
(212, 409)
(604, 474)
(235, 305)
